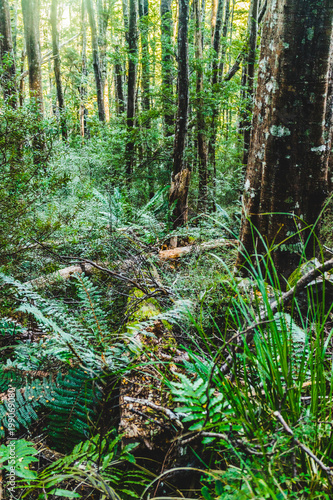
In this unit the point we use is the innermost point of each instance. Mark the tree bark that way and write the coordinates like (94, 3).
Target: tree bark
(131, 85)
(103, 16)
(145, 75)
(167, 66)
(84, 73)
(96, 62)
(56, 66)
(287, 166)
(7, 59)
(249, 76)
(200, 113)
(119, 88)
(30, 10)
(181, 174)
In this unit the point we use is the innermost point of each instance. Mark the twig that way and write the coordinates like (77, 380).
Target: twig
(170, 414)
(303, 447)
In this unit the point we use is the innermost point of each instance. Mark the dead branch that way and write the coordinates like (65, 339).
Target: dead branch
(161, 409)
(274, 306)
(175, 253)
(303, 447)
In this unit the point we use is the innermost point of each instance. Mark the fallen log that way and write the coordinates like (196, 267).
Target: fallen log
(175, 253)
(65, 274)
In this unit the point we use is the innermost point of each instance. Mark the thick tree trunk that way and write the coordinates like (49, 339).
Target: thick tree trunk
(167, 66)
(287, 166)
(56, 66)
(7, 59)
(131, 85)
(84, 73)
(181, 175)
(249, 76)
(30, 10)
(200, 112)
(96, 62)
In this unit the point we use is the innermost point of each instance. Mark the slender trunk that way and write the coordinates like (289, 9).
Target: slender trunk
(56, 66)
(201, 122)
(22, 79)
(249, 76)
(181, 174)
(84, 73)
(103, 15)
(30, 10)
(144, 30)
(119, 88)
(131, 85)
(215, 90)
(7, 59)
(224, 40)
(167, 66)
(96, 62)
(286, 180)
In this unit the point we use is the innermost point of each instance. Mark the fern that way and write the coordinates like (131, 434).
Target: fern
(70, 338)
(197, 401)
(94, 461)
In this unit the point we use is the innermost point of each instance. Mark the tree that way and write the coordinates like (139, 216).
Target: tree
(96, 62)
(145, 72)
(56, 66)
(30, 10)
(167, 65)
(131, 83)
(103, 16)
(84, 73)
(7, 59)
(180, 173)
(249, 74)
(200, 112)
(286, 179)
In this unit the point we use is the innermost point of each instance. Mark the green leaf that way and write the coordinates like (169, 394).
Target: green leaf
(65, 493)
(205, 493)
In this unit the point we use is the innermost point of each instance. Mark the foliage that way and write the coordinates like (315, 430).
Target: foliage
(26, 180)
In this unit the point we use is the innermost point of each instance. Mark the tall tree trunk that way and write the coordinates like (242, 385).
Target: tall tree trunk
(119, 88)
(145, 75)
(103, 15)
(96, 62)
(84, 73)
(215, 91)
(181, 174)
(167, 66)
(22, 79)
(287, 166)
(7, 59)
(200, 113)
(131, 85)
(249, 76)
(30, 10)
(56, 66)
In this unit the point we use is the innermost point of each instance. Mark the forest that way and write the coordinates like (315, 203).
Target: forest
(166, 249)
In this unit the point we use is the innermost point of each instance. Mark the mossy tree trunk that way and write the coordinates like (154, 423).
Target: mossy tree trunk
(288, 160)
